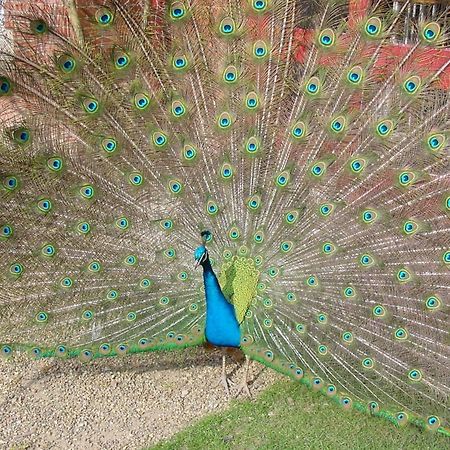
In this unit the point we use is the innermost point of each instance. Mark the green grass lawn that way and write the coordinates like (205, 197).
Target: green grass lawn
(290, 416)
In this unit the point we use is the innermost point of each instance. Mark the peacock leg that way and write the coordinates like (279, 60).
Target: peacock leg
(243, 387)
(224, 380)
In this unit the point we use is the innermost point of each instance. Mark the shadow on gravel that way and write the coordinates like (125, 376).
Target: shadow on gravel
(144, 362)
(39, 372)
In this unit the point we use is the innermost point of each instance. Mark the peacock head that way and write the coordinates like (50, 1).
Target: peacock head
(200, 255)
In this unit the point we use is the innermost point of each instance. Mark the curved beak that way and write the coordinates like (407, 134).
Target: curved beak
(201, 259)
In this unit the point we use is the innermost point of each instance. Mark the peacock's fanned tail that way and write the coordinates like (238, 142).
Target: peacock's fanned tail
(315, 154)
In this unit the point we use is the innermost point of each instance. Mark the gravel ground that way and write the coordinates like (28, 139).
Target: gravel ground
(113, 403)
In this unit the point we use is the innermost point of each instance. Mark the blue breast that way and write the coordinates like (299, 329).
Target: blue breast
(222, 328)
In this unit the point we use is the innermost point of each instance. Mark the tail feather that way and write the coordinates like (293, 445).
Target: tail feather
(317, 159)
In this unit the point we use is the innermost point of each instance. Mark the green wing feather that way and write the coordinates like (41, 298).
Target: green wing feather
(238, 279)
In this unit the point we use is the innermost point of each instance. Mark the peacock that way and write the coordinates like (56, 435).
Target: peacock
(269, 175)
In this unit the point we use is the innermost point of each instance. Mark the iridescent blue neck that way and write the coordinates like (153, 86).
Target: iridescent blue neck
(222, 328)
(213, 292)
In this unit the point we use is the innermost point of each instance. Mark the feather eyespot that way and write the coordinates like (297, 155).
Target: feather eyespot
(66, 63)
(260, 50)
(430, 32)
(373, 27)
(227, 26)
(39, 26)
(327, 38)
(178, 11)
(5, 86)
(104, 17)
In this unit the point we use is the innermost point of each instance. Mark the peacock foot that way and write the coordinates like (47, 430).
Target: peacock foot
(226, 383)
(243, 387)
